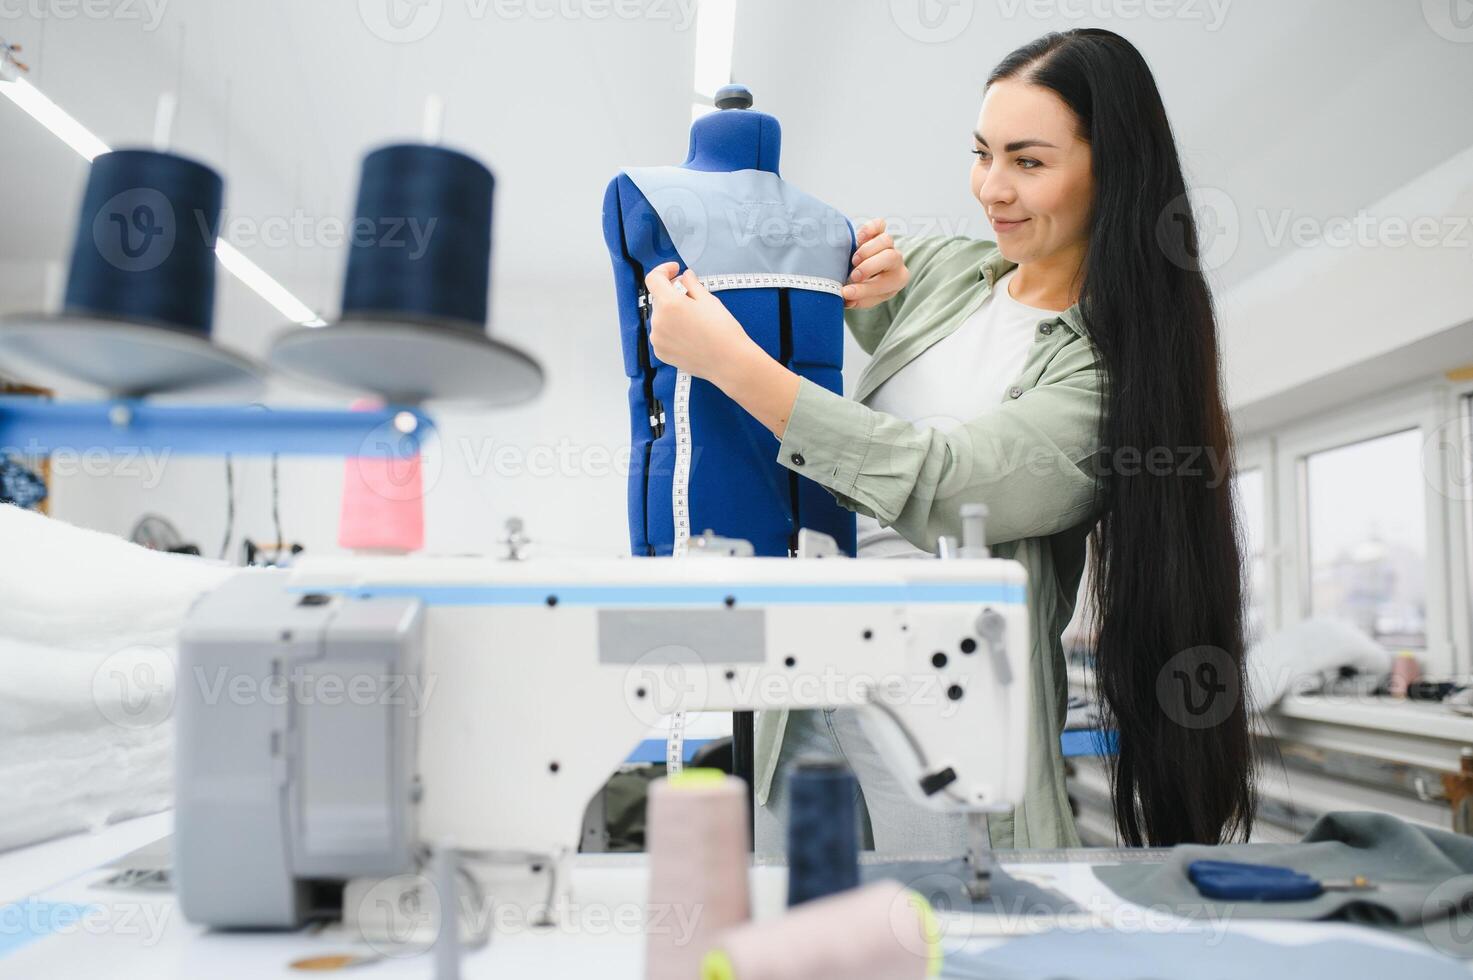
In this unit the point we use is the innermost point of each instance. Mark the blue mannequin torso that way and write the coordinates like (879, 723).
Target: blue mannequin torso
(734, 486)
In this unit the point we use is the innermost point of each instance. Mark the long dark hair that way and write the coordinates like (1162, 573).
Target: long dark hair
(1166, 572)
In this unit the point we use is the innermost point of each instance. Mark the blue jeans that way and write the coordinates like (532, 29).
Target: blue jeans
(891, 822)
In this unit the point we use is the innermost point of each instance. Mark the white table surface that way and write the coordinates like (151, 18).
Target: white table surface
(142, 935)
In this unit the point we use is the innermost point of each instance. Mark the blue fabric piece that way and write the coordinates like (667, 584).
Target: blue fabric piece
(724, 211)
(1190, 956)
(19, 485)
(22, 923)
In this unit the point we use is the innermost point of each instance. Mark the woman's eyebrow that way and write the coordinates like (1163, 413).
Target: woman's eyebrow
(1017, 145)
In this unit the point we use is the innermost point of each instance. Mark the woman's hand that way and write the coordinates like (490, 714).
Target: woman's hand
(879, 269)
(693, 330)
(696, 333)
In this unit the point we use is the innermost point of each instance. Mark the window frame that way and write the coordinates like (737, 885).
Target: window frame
(1257, 453)
(1423, 408)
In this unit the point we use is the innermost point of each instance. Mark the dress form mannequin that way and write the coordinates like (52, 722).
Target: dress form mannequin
(775, 258)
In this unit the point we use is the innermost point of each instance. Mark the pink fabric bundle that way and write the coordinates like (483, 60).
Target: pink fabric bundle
(383, 501)
(883, 931)
(698, 848)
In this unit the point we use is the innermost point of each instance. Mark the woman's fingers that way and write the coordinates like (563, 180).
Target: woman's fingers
(874, 246)
(876, 265)
(693, 286)
(870, 229)
(660, 281)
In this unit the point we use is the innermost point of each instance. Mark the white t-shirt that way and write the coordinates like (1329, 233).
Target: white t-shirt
(957, 378)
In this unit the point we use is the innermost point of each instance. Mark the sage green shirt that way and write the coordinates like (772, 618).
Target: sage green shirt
(1029, 460)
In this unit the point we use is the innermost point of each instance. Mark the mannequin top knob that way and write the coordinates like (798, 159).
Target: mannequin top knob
(733, 97)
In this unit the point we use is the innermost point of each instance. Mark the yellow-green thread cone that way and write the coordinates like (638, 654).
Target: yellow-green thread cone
(717, 966)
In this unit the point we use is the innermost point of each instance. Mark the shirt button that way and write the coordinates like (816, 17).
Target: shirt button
(1014, 391)
(1046, 329)
(798, 459)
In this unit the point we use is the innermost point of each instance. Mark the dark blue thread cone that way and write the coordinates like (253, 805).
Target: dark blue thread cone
(823, 831)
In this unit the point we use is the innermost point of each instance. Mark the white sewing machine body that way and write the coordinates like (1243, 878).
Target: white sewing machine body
(485, 701)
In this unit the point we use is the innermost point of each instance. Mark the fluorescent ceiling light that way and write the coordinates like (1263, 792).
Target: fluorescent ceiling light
(260, 282)
(35, 104)
(54, 118)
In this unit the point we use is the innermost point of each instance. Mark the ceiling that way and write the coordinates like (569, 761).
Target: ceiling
(1318, 106)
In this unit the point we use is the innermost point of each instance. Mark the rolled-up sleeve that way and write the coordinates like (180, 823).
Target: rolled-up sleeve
(1029, 459)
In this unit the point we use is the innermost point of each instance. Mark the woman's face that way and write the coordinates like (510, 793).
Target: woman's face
(1031, 167)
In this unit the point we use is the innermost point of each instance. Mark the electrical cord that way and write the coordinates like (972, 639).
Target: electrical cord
(229, 506)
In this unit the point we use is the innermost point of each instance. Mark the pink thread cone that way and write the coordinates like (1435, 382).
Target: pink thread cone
(383, 501)
(883, 931)
(699, 858)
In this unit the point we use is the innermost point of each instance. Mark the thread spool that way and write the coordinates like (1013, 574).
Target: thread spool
(428, 256)
(823, 830)
(413, 323)
(698, 846)
(145, 243)
(383, 509)
(883, 931)
(138, 309)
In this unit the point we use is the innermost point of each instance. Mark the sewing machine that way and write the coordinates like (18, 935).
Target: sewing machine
(336, 719)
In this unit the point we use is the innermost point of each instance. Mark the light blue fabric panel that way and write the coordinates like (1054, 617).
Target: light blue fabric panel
(1191, 956)
(746, 221)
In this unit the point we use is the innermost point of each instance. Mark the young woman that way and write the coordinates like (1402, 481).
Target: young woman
(1037, 374)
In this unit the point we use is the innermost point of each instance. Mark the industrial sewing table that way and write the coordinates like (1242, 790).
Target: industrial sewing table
(56, 922)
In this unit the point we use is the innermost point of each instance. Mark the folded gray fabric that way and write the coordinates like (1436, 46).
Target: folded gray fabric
(1423, 879)
(943, 884)
(1192, 956)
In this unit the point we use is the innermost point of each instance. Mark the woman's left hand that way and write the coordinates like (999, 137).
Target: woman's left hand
(693, 330)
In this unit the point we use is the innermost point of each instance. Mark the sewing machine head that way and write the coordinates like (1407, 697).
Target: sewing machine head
(335, 716)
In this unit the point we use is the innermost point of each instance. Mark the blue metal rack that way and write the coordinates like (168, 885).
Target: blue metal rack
(34, 427)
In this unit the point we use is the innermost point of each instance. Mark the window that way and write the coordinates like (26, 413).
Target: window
(1250, 496)
(1366, 517)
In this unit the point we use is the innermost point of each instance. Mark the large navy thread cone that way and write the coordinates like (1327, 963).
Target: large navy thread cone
(140, 293)
(413, 324)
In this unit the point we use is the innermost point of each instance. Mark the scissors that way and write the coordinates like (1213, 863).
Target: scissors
(1263, 882)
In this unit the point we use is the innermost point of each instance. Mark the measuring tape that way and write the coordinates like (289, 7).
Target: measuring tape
(771, 280)
(684, 448)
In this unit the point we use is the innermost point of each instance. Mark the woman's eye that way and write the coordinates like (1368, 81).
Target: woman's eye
(980, 154)
(1029, 160)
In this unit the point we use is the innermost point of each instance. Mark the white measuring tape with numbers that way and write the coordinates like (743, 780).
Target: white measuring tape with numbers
(680, 483)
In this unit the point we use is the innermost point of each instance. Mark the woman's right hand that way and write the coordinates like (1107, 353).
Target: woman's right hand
(879, 270)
